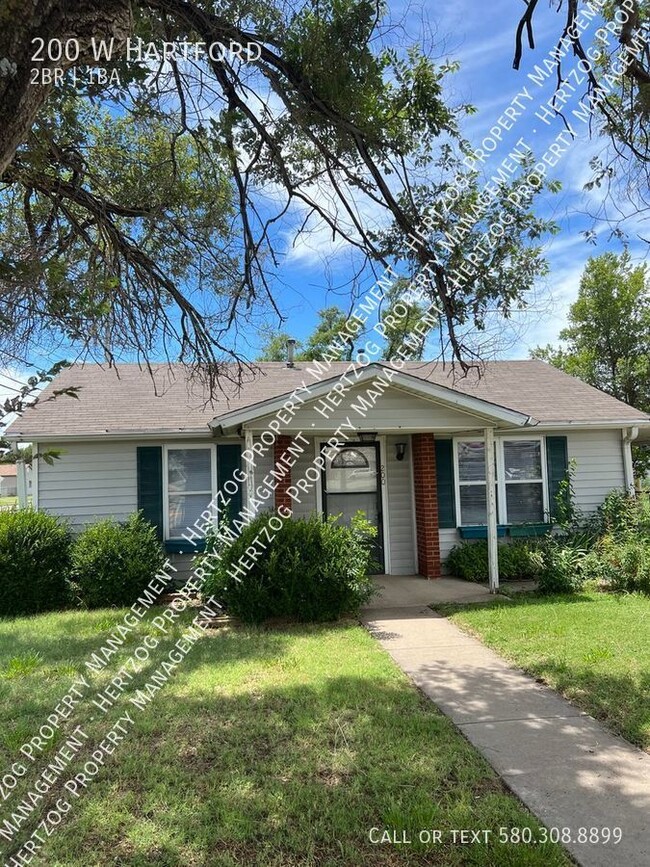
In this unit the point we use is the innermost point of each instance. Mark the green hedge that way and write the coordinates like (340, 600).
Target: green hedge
(113, 562)
(306, 570)
(469, 560)
(34, 562)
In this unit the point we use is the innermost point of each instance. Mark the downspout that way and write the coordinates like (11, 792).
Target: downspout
(21, 478)
(629, 435)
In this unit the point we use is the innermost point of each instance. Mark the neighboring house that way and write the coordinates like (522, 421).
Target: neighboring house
(414, 460)
(8, 480)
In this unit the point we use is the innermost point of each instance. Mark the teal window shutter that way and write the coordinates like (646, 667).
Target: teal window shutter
(150, 492)
(557, 466)
(228, 461)
(446, 486)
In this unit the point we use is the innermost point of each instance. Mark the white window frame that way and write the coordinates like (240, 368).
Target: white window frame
(502, 508)
(457, 482)
(213, 478)
(502, 482)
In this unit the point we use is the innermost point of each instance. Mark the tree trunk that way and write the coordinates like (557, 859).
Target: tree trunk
(23, 89)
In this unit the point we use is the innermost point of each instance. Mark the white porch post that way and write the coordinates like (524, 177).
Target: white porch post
(250, 467)
(490, 483)
(21, 483)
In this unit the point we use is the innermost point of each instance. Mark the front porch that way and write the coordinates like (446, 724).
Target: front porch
(419, 459)
(408, 591)
(403, 482)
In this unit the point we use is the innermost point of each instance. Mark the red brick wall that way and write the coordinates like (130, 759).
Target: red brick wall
(426, 504)
(281, 444)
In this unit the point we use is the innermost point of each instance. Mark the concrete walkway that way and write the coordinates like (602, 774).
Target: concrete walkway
(567, 769)
(404, 591)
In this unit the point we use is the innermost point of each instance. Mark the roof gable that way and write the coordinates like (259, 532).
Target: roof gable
(362, 396)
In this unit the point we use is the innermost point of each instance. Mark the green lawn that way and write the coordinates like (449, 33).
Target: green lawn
(594, 648)
(6, 502)
(268, 747)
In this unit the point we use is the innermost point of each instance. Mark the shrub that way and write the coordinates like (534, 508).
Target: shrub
(622, 516)
(306, 570)
(621, 551)
(520, 560)
(112, 563)
(562, 568)
(613, 546)
(469, 560)
(625, 564)
(34, 562)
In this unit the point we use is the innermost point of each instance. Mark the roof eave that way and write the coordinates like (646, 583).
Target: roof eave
(49, 437)
(616, 424)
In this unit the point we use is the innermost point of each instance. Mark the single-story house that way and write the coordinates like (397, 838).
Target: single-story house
(8, 480)
(406, 445)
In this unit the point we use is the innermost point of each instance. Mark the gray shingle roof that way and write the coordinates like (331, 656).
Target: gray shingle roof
(128, 400)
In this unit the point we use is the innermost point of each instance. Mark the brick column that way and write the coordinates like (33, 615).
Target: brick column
(281, 444)
(426, 504)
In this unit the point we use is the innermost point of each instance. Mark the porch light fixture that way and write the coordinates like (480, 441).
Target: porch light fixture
(368, 436)
(400, 451)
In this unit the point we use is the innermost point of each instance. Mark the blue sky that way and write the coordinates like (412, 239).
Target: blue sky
(485, 46)
(481, 38)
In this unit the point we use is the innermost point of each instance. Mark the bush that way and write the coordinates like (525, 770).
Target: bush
(625, 564)
(469, 560)
(622, 517)
(563, 567)
(306, 570)
(34, 562)
(112, 563)
(612, 546)
(621, 555)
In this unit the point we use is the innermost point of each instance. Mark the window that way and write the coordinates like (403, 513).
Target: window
(521, 485)
(471, 482)
(523, 479)
(352, 470)
(350, 458)
(189, 474)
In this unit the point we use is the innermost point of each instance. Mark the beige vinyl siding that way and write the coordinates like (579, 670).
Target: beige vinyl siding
(399, 500)
(88, 481)
(182, 563)
(395, 409)
(599, 466)
(448, 538)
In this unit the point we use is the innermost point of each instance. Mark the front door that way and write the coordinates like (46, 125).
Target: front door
(351, 483)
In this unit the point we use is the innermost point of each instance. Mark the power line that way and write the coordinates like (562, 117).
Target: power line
(12, 378)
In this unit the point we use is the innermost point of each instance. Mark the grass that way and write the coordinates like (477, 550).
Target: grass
(594, 648)
(8, 502)
(267, 748)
